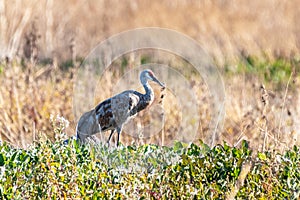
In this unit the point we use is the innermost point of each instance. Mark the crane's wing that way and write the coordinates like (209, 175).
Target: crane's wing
(125, 104)
(115, 111)
(105, 116)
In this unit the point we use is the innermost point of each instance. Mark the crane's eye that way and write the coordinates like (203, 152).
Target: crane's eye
(150, 73)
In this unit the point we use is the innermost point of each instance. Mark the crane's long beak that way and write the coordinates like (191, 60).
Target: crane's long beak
(158, 82)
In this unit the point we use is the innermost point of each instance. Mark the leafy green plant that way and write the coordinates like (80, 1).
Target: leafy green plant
(53, 170)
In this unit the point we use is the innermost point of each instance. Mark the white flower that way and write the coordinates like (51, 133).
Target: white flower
(64, 122)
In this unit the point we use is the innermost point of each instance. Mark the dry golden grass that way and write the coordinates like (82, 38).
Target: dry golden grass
(28, 97)
(224, 28)
(266, 117)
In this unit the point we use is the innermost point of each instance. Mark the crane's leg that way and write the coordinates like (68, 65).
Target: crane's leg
(111, 133)
(119, 132)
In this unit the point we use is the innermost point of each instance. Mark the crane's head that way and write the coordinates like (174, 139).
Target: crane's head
(147, 74)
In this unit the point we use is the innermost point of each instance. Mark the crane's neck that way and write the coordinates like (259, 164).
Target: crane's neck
(149, 96)
(145, 99)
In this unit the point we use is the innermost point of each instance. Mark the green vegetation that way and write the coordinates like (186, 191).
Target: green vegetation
(54, 170)
(271, 71)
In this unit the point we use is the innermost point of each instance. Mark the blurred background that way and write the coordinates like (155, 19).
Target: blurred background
(224, 28)
(255, 45)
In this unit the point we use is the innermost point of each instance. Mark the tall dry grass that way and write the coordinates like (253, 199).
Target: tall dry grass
(264, 115)
(226, 29)
(29, 95)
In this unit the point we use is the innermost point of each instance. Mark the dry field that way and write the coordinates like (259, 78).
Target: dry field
(43, 42)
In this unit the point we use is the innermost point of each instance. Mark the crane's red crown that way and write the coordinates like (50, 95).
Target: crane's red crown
(150, 72)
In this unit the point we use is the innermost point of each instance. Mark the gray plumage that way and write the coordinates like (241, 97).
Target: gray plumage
(114, 112)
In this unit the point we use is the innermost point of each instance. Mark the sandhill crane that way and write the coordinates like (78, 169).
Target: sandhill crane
(114, 112)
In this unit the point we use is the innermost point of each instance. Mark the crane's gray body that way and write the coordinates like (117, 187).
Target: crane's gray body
(113, 113)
